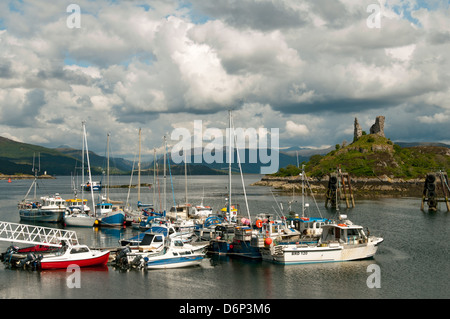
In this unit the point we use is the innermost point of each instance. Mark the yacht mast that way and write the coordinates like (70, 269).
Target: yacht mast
(230, 141)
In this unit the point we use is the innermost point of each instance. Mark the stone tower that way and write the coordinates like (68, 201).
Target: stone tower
(378, 127)
(358, 131)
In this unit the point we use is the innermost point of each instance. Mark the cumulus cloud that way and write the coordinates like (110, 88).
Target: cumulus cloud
(294, 129)
(306, 67)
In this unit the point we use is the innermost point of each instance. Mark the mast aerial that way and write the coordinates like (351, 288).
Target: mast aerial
(230, 141)
(139, 168)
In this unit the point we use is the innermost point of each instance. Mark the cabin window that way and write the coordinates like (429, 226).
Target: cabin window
(352, 232)
(79, 250)
(158, 239)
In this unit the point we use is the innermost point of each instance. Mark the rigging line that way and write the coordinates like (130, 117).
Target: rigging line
(171, 182)
(242, 177)
(312, 195)
(131, 179)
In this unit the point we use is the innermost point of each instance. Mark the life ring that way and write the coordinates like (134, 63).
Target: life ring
(342, 225)
(259, 223)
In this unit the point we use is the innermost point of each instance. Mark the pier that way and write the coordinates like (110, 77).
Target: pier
(339, 188)
(432, 188)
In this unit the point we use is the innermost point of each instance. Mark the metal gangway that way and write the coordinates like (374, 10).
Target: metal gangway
(36, 235)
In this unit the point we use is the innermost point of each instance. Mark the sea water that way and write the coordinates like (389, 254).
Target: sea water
(412, 262)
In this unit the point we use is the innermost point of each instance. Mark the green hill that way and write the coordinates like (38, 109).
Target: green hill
(17, 158)
(373, 155)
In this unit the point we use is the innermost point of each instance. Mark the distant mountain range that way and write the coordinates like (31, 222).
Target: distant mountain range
(17, 158)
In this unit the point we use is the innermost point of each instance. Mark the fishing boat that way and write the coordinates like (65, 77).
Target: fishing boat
(79, 255)
(339, 241)
(246, 241)
(48, 209)
(94, 185)
(109, 215)
(206, 229)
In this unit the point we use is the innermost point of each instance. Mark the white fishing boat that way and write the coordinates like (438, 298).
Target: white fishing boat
(49, 209)
(340, 241)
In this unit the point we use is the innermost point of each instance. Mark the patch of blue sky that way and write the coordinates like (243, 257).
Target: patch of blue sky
(143, 57)
(68, 60)
(193, 15)
(146, 7)
(407, 8)
(15, 6)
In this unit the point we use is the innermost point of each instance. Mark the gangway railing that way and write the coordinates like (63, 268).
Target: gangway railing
(36, 235)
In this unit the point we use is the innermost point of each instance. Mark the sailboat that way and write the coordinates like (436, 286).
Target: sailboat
(82, 217)
(109, 214)
(239, 239)
(135, 216)
(49, 209)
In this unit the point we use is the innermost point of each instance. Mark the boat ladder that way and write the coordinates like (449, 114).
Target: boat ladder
(36, 235)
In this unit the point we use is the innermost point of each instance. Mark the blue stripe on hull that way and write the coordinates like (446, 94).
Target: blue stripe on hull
(182, 261)
(113, 220)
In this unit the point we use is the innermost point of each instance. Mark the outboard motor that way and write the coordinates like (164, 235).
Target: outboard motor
(32, 261)
(121, 257)
(6, 256)
(138, 262)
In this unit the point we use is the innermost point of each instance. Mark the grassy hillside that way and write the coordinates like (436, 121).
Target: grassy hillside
(372, 156)
(17, 158)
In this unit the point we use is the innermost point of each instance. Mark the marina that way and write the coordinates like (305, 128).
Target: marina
(411, 258)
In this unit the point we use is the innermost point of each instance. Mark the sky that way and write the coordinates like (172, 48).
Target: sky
(304, 67)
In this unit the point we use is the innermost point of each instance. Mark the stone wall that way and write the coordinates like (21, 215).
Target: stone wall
(378, 127)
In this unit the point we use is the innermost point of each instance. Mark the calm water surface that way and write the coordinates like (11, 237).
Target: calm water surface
(413, 259)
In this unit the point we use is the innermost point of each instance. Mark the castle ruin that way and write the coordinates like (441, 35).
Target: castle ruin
(377, 128)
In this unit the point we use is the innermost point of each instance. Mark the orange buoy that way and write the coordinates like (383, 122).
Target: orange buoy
(268, 241)
(259, 223)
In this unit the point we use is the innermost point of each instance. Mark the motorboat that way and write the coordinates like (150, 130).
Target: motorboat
(49, 209)
(157, 249)
(80, 255)
(340, 241)
(109, 215)
(96, 186)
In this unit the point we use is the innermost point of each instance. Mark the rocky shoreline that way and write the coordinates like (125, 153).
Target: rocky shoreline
(362, 187)
(24, 176)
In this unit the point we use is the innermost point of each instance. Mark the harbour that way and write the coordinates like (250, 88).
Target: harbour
(412, 260)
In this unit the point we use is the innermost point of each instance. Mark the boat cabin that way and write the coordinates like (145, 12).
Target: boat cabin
(343, 233)
(307, 226)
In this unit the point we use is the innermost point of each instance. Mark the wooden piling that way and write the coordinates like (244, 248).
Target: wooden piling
(430, 191)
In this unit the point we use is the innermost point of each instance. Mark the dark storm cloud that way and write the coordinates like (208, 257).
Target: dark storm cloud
(261, 15)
